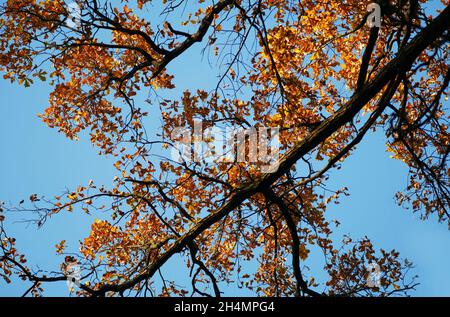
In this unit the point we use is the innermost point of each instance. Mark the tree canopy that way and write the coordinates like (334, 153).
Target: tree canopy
(317, 71)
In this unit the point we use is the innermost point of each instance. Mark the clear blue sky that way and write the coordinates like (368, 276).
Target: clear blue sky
(36, 159)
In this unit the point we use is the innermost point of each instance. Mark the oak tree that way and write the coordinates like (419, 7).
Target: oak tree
(316, 70)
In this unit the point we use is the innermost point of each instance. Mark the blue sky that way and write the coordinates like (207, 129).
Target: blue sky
(36, 159)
